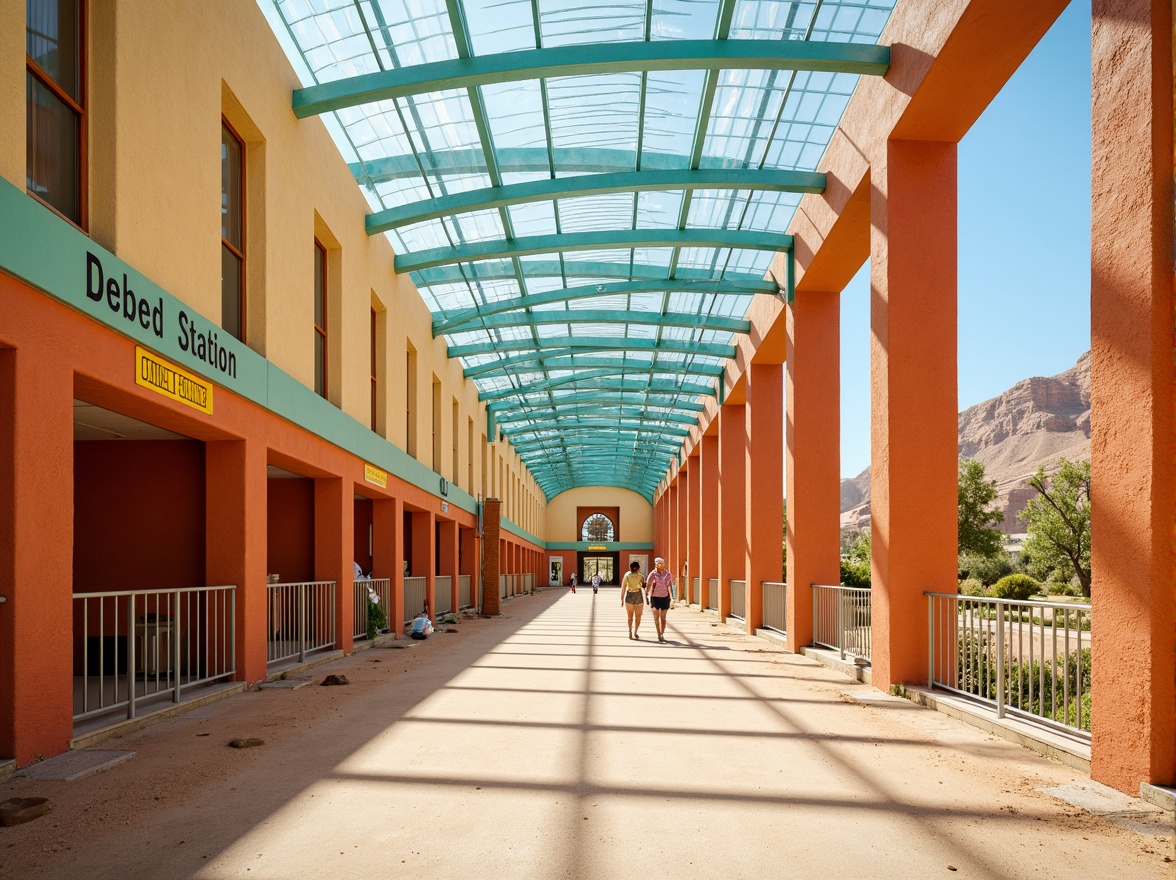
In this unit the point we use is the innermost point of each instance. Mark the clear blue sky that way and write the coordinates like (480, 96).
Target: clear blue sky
(1024, 238)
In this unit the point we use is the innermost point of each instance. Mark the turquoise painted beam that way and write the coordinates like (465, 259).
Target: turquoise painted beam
(506, 419)
(594, 440)
(494, 197)
(503, 270)
(617, 365)
(598, 389)
(655, 403)
(569, 242)
(596, 343)
(602, 424)
(456, 320)
(590, 59)
(693, 320)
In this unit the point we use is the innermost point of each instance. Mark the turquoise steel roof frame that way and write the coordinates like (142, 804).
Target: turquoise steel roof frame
(587, 197)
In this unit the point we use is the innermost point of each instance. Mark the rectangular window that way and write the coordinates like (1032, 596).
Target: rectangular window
(55, 119)
(320, 319)
(375, 381)
(410, 405)
(470, 456)
(232, 232)
(456, 472)
(436, 424)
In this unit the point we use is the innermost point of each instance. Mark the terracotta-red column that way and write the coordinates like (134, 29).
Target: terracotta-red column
(694, 528)
(449, 558)
(469, 561)
(708, 563)
(424, 555)
(914, 446)
(732, 501)
(388, 554)
(334, 515)
(235, 541)
(1133, 402)
(765, 486)
(682, 559)
(491, 529)
(36, 562)
(813, 443)
(671, 554)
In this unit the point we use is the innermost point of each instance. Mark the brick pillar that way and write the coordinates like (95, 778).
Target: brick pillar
(1133, 401)
(732, 501)
(914, 445)
(334, 514)
(491, 532)
(388, 554)
(235, 542)
(813, 441)
(708, 562)
(764, 479)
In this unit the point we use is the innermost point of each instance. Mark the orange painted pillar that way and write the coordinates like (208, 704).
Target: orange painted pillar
(334, 515)
(694, 529)
(36, 559)
(491, 562)
(732, 501)
(671, 554)
(813, 448)
(468, 562)
(682, 560)
(1133, 401)
(913, 436)
(708, 561)
(235, 542)
(450, 552)
(388, 554)
(764, 496)
(424, 556)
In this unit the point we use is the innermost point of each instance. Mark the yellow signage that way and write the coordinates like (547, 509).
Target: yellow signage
(375, 476)
(171, 381)
(597, 546)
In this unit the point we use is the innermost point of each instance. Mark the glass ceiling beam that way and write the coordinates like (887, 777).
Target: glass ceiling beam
(590, 59)
(615, 365)
(610, 411)
(572, 344)
(597, 440)
(594, 384)
(500, 270)
(452, 322)
(604, 316)
(563, 422)
(590, 185)
(592, 241)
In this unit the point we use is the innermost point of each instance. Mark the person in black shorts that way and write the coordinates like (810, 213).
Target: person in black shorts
(661, 590)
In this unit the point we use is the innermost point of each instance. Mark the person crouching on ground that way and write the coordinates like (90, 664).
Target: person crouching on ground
(633, 597)
(661, 588)
(421, 626)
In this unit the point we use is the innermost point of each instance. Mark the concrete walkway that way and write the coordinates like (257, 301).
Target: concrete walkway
(546, 744)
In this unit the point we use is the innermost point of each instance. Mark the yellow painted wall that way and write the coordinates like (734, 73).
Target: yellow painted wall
(636, 513)
(161, 75)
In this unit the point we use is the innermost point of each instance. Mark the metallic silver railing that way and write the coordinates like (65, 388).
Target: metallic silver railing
(502, 585)
(383, 590)
(775, 605)
(713, 598)
(464, 597)
(130, 645)
(841, 619)
(443, 593)
(694, 596)
(1026, 659)
(414, 597)
(738, 599)
(300, 619)
(529, 582)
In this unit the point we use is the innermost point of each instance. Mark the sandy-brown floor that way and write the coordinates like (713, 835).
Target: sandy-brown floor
(546, 744)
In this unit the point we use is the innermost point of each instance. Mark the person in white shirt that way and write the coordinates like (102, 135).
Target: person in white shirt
(596, 582)
(421, 626)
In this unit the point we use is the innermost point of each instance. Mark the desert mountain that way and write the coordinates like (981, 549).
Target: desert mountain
(1034, 423)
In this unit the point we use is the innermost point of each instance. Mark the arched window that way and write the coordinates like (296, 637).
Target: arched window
(597, 527)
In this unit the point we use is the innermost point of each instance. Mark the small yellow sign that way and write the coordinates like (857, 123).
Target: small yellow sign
(375, 476)
(171, 381)
(597, 546)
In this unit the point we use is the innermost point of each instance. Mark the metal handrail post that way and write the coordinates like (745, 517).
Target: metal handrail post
(175, 637)
(131, 637)
(841, 622)
(1000, 664)
(930, 641)
(816, 631)
(301, 623)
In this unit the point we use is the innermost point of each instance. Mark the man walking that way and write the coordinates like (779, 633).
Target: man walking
(595, 583)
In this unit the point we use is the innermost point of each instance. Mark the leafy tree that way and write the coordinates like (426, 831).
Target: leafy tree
(855, 562)
(1058, 521)
(986, 569)
(977, 520)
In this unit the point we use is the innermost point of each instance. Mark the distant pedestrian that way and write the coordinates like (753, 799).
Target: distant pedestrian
(595, 583)
(661, 590)
(572, 582)
(633, 597)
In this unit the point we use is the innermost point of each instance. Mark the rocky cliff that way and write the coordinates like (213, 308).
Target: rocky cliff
(1034, 423)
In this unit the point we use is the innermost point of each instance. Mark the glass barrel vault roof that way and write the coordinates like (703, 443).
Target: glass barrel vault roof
(588, 196)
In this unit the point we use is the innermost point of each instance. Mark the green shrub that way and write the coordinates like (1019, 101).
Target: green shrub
(1062, 588)
(377, 620)
(855, 573)
(972, 587)
(987, 570)
(1016, 586)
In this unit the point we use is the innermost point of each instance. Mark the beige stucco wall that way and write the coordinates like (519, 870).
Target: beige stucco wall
(636, 514)
(161, 75)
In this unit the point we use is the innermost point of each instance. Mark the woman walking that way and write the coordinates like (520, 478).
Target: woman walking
(661, 587)
(633, 597)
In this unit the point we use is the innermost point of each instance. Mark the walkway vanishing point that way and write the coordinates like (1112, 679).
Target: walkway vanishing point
(545, 744)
